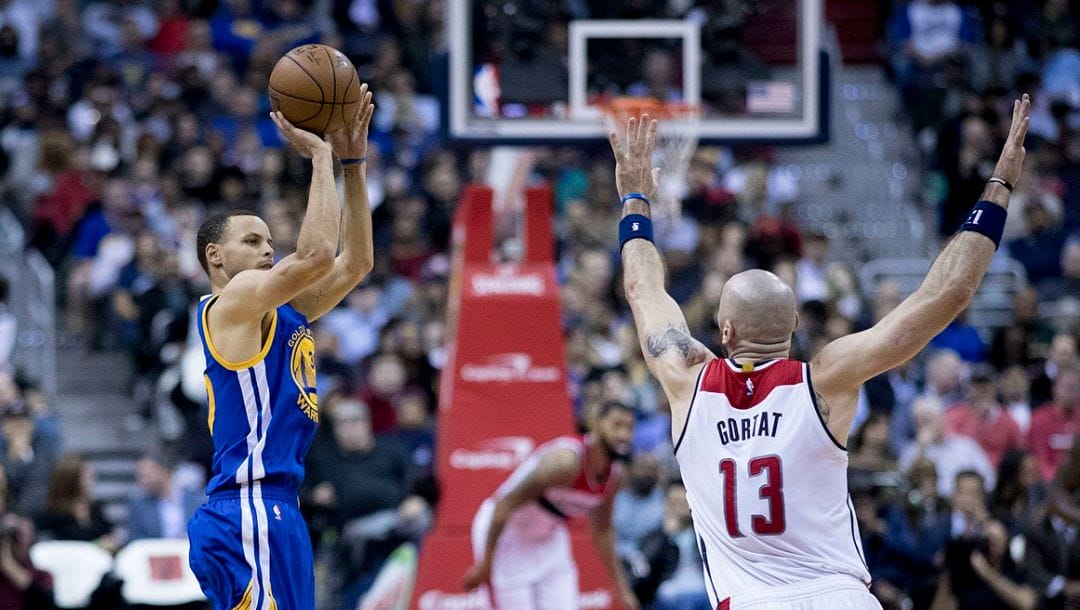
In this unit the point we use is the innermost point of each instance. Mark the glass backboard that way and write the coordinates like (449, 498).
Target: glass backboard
(531, 71)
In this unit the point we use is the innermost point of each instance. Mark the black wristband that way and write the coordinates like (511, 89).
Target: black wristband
(344, 162)
(634, 226)
(987, 218)
(1003, 182)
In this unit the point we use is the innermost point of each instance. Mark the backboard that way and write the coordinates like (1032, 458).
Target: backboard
(527, 72)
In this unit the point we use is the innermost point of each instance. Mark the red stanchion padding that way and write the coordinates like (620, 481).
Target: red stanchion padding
(503, 392)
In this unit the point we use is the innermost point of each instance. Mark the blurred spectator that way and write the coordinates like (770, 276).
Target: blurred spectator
(944, 377)
(1014, 388)
(983, 419)
(104, 22)
(1069, 283)
(666, 566)
(162, 508)
(1040, 250)
(415, 431)
(1062, 354)
(980, 573)
(22, 587)
(943, 371)
(360, 474)
(962, 338)
(930, 40)
(29, 453)
(70, 512)
(869, 449)
(949, 454)
(362, 487)
(1019, 495)
(966, 151)
(1051, 555)
(24, 21)
(386, 380)
(904, 538)
(1053, 426)
(813, 278)
(639, 506)
(1004, 57)
(1025, 340)
(658, 81)
(9, 328)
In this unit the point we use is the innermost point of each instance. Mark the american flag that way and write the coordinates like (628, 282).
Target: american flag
(774, 96)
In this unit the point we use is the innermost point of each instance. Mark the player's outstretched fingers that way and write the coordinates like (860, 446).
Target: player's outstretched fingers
(631, 136)
(650, 137)
(369, 109)
(616, 146)
(641, 137)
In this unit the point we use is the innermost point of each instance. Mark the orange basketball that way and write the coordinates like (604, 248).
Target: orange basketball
(315, 87)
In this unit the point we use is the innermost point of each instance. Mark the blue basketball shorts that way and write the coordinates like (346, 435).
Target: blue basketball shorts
(250, 550)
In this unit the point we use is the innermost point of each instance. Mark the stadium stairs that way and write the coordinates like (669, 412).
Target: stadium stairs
(861, 189)
(98, 420)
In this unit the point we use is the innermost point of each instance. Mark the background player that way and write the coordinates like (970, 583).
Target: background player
(520, 540)
(249, 544)
(760, 445)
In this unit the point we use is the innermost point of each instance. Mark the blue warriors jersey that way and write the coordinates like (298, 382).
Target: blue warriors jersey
(263, 411)
(250, 548)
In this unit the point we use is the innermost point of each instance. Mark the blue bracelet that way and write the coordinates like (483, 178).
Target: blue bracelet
(634, 226)
(987, 218)
(352, 161)
(641, 196)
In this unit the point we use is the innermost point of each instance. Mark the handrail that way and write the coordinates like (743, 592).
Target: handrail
(32, 298)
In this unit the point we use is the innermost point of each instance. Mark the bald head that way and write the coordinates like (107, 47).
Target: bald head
(757, 312)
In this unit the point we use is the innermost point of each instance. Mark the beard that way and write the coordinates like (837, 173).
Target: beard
(612, 452)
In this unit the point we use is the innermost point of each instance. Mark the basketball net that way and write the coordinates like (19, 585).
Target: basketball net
(676, 141)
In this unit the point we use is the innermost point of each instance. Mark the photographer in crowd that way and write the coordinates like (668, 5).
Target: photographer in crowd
(21, 586)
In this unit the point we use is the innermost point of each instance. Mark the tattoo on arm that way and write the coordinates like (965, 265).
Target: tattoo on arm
(678, 338)
(822, 407)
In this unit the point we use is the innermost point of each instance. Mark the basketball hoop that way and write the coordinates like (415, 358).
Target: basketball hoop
(676, 140)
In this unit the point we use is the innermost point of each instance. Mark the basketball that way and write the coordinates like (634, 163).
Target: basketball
(315, 87)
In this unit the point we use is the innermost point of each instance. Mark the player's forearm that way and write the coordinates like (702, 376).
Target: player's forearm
(357, 251)
(643, 266)
(959, 269)
(498, 522)
(318, 236)
(604, 539)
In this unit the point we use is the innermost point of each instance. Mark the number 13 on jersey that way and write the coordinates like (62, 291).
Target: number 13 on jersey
(771, 489)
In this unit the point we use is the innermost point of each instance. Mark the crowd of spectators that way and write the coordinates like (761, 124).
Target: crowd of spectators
(132, 120)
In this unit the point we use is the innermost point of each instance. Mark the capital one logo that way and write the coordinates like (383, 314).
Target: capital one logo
(476, 600)
(504, 453)
(510, 367)
(506, 282)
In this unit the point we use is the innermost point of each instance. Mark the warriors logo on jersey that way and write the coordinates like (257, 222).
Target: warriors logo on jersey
(302, 367)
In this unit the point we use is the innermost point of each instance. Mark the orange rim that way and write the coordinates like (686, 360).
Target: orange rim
(622, 108)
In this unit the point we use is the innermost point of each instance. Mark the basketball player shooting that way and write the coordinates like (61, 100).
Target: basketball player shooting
(760, 439)
(519, 536)
(249, 544)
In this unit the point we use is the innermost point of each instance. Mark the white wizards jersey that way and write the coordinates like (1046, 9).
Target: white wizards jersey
(550, 511)
(766, 481)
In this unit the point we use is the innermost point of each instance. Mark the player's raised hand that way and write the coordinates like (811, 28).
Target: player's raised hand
(350, 142)
(478, 574)
(305, 142)
(634, 172)
(1011, 160)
